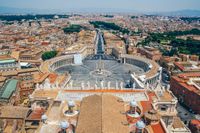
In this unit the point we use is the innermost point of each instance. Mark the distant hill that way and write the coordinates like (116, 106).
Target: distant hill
(184, 13)
(11, 10)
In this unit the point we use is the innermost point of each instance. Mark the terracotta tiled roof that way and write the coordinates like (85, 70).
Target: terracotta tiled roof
(36, 114)
(182, 79)
(177, 123)
(146, 105)
(190, 74)
(158, 128)
(40, 77)
(181, 67)
(196, 123)
(52, 77)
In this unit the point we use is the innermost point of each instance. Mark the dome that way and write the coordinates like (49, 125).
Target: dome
(64, 125)
(133, 103)
(44, 117)
(71, 103)
(140, 125)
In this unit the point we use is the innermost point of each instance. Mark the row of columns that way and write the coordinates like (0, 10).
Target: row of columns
(103, 86)
(61, 63)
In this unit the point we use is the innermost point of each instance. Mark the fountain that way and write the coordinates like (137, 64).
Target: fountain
(100, 72)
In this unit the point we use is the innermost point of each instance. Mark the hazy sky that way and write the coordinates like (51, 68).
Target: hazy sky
(138, 5)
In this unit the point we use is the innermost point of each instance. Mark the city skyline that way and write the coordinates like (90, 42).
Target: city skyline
(77, 66)
(103, 6)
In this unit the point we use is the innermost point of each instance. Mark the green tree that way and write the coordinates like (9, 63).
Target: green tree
(48, 55)
(72, 28)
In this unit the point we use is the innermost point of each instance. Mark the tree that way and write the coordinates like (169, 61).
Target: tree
(109, 26)
(48, 55)
(189, 46)
(72, 28)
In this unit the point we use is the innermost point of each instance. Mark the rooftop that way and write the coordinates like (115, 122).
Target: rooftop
(7, 61)
(157, 128)
(15, 54)
(187, 66)
(177, 123)
(45, 94)
(186, 80)
(166, 96)
(196, 122)
(8, 88)
(36, 114)
(13, 112)
(101, 114)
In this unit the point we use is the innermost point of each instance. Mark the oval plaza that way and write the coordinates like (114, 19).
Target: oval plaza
(104, 67)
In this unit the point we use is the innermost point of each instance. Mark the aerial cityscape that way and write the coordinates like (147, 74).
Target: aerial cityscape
(92, 66)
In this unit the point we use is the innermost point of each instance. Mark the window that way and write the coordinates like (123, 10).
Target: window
(163, 107)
